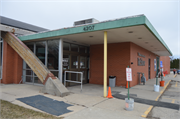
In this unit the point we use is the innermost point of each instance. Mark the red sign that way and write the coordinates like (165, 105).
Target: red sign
(128, 74)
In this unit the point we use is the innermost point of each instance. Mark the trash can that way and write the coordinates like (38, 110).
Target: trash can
(112, 81)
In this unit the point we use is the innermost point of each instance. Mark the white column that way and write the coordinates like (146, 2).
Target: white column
(60, 59)
(46, 54)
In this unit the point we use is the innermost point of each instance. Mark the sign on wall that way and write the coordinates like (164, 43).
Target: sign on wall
(141, 62)
(88, 28)
(161, 64)
(65, 61)
(128, 74)
(139, 54)
(154, 64)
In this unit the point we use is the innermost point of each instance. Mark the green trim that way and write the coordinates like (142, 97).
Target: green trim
(119, 23)
(153, 31)
(97, 27)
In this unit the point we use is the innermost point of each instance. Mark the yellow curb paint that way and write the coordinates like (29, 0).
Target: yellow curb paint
(176, 84)
(175, 75)
(173, 100)
(157, 98)
(147, 112)
(150, 108)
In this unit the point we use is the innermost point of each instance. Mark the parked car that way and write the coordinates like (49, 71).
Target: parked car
(178, 71)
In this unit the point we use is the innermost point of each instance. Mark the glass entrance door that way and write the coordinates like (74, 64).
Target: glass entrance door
(75, 59)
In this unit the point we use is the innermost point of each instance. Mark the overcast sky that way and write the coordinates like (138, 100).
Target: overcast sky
(55, 14)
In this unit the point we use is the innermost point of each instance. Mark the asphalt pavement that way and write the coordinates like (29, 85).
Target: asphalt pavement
(170, 96)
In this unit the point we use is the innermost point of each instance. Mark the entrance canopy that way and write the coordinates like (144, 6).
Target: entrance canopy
(136, 29)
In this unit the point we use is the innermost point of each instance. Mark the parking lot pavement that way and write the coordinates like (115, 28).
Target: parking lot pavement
(171, 96)
(90, 103)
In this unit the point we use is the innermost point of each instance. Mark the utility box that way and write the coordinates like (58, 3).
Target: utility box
(112, 81)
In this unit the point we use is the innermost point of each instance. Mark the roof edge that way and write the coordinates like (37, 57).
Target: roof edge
(105, 25)
(156, 34)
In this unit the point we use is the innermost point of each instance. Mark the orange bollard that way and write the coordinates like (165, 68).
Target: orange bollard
(126, 84)
(109, 93)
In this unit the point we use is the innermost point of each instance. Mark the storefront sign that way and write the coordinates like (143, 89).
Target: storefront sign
(141, 62)
(128, 74)
(65, 61)
(89, 28)
(141, 55)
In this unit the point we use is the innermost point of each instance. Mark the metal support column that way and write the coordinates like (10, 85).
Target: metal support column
(61, 59)
(105, 63)
(157, 70)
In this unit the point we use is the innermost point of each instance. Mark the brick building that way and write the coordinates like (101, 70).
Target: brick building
(131, 41)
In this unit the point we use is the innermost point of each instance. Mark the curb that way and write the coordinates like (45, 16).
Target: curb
(150, 108)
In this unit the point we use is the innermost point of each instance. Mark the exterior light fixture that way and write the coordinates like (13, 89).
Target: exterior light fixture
(90, 36)
(139, 38)
(146, 42)
(130, 32)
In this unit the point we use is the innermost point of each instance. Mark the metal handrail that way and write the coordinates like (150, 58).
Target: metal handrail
(73, 81)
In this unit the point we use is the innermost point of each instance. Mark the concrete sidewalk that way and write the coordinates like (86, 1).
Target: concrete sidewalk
(89, 103)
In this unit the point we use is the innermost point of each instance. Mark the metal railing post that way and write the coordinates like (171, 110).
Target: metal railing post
(81, 82)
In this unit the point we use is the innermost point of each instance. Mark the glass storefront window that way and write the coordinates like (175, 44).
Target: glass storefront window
(66, 46)
(74, 48)
(37, 80)
(65, 62)
(82, 49)
(53, 54)
(40, 50)
(1, 57)
(74, 62)
(82, 62)
(56, 73)
(29, 79)
(31, 47)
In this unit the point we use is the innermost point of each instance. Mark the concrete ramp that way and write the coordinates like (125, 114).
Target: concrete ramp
(55, 87)
(52, 84)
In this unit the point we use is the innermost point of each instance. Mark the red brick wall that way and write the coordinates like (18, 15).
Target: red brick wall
(166, 63)
(12, 65)
(135, 68)
(118, 58)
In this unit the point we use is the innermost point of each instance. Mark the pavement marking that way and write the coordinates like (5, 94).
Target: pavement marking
(176, 84)
(150, 108)
(175, 75)
(173, 100)
(147, 112)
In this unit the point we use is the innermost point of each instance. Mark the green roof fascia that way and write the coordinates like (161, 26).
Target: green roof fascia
(153, 31)
(120, 23)
(133, 21)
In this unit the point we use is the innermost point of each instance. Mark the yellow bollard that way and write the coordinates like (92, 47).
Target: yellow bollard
(105, 64)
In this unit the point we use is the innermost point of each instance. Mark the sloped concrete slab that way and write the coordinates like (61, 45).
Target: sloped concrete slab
(55, 87)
